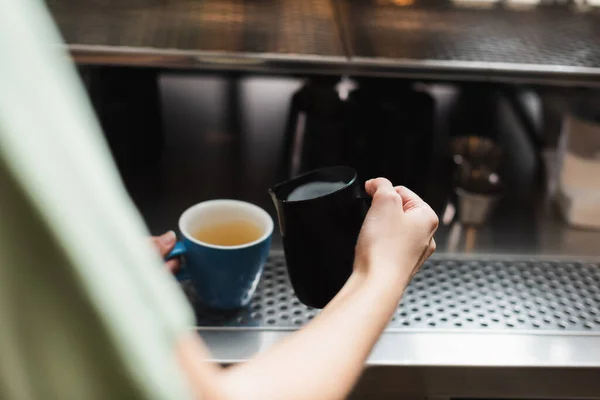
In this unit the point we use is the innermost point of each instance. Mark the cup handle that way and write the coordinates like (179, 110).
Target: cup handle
(179, 250)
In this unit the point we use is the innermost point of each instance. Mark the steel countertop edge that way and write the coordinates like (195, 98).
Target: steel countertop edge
(558, 75)
(439, 349)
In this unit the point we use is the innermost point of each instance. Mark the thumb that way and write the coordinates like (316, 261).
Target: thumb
(378, 185)
(165, 242)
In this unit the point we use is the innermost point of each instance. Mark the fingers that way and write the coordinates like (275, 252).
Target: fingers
(381, 188)
(374, 185)
(426, 254)
(410, 199)
(428, 251)
(173, 265)
(432, 247)
(164, 243)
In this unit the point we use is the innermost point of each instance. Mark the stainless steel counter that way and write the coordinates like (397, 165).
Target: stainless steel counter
(463, 325)
(486, 311)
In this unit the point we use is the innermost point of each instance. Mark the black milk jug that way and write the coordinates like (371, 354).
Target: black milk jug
(320, 215)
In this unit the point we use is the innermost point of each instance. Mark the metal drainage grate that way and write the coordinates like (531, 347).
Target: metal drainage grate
(273, 305)
(449, 294)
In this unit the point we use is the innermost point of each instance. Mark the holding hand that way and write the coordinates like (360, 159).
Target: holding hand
(397, 234)
(395, 239)
(164, 244)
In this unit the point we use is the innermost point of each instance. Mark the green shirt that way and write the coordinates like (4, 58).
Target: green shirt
(86, 309)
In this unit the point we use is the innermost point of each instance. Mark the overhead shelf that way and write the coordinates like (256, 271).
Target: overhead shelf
(473, 37)
(187, 33)
(504, 41)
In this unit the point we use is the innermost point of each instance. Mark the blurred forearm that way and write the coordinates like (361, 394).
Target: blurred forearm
(323, 360)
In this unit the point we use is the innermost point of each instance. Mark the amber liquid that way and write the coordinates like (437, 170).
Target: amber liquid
(232, 233)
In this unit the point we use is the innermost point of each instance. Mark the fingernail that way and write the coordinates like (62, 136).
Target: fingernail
(168, 238)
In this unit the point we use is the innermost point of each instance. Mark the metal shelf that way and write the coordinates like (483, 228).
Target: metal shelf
(422, 39)
(498, 41)
(188, 33)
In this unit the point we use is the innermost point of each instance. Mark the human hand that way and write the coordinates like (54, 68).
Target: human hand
(397, 234)
(164, 244)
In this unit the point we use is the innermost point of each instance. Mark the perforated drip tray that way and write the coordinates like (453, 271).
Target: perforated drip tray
(448, 294)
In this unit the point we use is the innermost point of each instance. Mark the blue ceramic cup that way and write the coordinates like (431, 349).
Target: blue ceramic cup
(225, 277)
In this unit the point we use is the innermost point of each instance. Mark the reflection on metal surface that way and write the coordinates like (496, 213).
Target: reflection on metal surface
(303, 27)
(399, 3)
(522, 5)
(432, 349)
(505, 72)
(438, 32)
(475, 3)
(470, 234)
(196, 106)
(454, 237)
(475, 208)
(422, 365)
(224, 60)
(168, 58)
